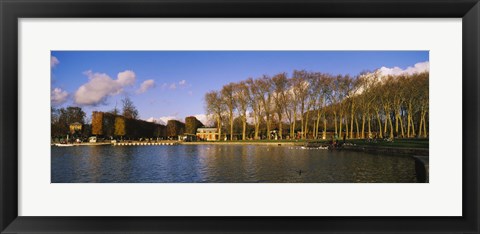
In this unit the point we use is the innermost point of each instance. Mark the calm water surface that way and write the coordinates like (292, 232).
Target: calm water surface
(224, 164)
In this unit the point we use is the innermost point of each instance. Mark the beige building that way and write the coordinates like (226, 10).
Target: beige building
(207, 134)
(75, 127)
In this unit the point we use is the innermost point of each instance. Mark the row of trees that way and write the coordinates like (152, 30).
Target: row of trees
(61, 118)
(310, 104)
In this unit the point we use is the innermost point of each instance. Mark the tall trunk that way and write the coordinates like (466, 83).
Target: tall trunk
(396, 122)
(324, 126)
(294, 120)
(231, 125)
(362, 135)
(306, 125)
(280, 127)
(369, 127)
(409, 120)
(413, 126)
(385, 126)
(257, 124)
(408, 125)
(268, 126)
(291, 130)
(346, 127)
(257, 129)
(421, 128)
(379, 125)
(340, 121)
(391, 127)
(335, 122)
(420, 125)
(244, 129)
(352, 113)
(302, 123)
(424, 125)
(219, 126)
(356, 125)
(318, 124)
(290, 125)
(401, 126)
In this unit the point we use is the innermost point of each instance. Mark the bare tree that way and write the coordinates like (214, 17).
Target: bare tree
(315, 98)
(256, 104)
(292, 106)
(280, 98)
(129, 109)
(228, 97)
(423, 100)
(300, 89)
(366, 81)
(242, 95)
(352, 95)
(215, 106)
(265, 95)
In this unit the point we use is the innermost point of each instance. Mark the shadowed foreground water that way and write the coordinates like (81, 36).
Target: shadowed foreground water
(224, 164)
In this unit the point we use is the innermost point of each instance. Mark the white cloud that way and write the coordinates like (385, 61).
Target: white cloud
(58, 96)
(146, 85)
(381, 74)
(165, 119)
(126, 78)
(395, 71)
(53, 61)
(100, 86)
(151, 119)
(204, 119)
(174, 86)
(162, 120)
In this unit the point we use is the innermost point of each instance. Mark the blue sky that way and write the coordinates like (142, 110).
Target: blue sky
(174, 82)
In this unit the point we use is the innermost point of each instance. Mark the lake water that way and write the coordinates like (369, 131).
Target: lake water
(224, 164)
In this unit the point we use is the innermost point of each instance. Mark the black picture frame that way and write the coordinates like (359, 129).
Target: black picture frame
(11, 11)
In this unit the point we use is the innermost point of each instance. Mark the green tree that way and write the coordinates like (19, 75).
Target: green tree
(63, 117)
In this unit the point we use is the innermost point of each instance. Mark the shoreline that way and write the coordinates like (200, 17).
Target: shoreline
(133, 143)
(388, 150)
(242, 143)
(358, 148)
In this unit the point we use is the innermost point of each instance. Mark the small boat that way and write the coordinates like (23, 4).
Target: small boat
(64, 145)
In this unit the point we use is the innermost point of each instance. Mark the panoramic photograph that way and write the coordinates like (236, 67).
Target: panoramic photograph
(239, 116)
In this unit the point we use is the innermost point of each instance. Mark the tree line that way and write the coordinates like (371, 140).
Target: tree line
(61, 118)
(308, 105)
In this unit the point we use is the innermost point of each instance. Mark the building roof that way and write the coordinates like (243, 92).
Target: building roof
(206, 129)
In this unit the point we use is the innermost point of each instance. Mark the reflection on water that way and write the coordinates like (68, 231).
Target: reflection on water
(224, 164)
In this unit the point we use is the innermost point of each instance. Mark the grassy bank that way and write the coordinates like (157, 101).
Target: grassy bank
(248, 142)
(410, 147)
(397, 143)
